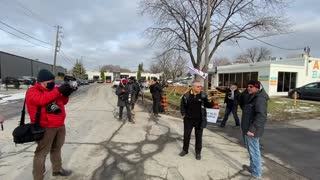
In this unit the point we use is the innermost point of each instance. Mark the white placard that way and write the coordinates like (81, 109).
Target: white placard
(212, 115)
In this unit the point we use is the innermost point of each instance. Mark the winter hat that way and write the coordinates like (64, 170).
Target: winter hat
(254, 83)
(44, 75)
(123, 81)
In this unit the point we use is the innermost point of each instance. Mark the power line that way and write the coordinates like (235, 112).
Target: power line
(34, 15)
(256, 38)
(65, 56)
(24, 39)
(66, 59)
(25, 33)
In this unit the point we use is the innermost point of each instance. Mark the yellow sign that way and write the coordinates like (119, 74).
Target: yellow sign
(316, 65)
(273, 82)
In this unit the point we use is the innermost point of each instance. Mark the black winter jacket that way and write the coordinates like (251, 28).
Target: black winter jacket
(228, 101)
(123, 95)
(254, 113)
(156, 91)
(185, 103)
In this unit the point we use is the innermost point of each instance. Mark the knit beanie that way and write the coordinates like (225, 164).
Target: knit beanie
(123, 81)
(254, 83)
(44, 75)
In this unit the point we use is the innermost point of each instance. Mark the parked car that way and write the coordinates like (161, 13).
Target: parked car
(27, 80)
(100, 81)
(308, 91)
(116, 82)
(12, 81)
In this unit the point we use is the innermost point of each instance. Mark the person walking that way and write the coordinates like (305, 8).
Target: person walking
(42, 95)
(231, 100)
(134, 88)
(254, 119)
(193, 109)
(124, 98)
(156, 91)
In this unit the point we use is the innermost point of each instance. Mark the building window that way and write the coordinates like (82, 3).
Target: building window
(286, 81)
(241, 78)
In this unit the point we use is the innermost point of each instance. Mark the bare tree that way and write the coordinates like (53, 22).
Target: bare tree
(154, 68)
(170, 64)
(255, 54)
(222, 61)
(180, 24)
(114, 68)
(179, 66)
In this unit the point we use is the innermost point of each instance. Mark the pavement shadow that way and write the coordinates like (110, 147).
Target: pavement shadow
(126, 160)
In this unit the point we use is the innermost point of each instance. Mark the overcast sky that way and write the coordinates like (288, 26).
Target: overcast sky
(111, 32)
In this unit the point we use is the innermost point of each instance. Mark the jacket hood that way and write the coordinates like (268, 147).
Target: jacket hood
(261, 93)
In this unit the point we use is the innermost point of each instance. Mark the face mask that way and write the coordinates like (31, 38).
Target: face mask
(50, 85)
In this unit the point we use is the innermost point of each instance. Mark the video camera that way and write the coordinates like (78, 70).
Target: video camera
(72, 81)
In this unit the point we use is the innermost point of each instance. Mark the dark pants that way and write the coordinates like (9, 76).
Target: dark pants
(156, 105)
(127, 105)
(188, 126)
(234, 110)
(52, 143)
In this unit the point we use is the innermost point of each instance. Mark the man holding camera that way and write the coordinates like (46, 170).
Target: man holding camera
(52, 116)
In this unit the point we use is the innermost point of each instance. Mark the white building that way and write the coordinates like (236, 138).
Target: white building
(277, 77)
(112, 75)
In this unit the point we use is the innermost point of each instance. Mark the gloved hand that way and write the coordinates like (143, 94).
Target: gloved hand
(67, 94)
(204, 96)
(65, 89)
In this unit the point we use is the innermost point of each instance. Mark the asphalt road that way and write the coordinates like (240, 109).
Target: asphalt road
(99, 146)
(293, 144)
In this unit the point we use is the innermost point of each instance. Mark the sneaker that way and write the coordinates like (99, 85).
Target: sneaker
(247, 168)
(183, 153)
(198, 156)
(62, 172)
(157, 115)
(132, 121)
(236, 127)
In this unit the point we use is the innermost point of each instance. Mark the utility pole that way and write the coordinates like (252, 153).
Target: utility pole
(205, 69)
(56, 49)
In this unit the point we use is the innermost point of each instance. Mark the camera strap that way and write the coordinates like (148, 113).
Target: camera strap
(23, 113)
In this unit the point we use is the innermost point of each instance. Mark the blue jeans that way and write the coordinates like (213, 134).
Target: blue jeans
(253, 146)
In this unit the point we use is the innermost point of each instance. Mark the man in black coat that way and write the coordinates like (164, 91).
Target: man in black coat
(193, 109)
(253, 122)
(124, 98)
(231, 100)
(135, 88)
(156, 91)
